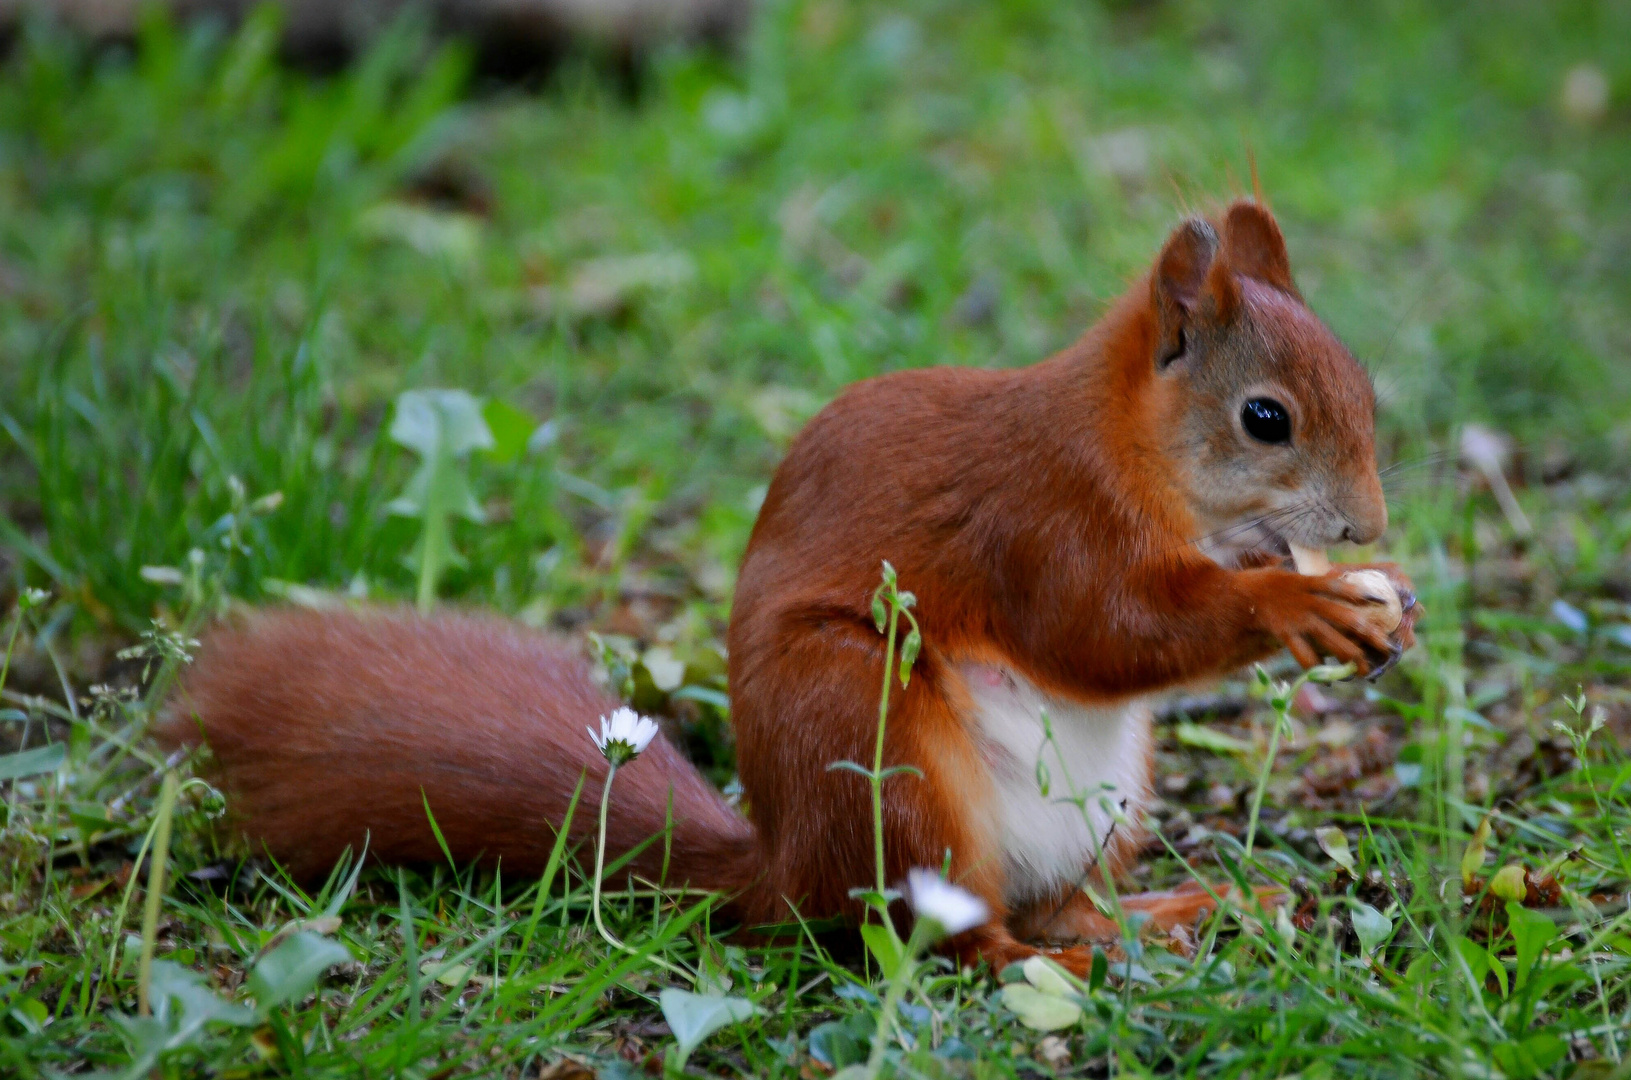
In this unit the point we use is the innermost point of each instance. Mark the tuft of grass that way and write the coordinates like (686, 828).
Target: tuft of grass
(217, 277)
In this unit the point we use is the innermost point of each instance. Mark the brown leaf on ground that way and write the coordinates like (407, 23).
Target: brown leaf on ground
(566, 1069)
(1361, 769)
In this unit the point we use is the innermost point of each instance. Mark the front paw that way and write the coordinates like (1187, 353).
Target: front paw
(1329, 615)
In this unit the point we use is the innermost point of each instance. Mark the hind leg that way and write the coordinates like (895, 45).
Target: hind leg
(1076, 919)
(818, 819)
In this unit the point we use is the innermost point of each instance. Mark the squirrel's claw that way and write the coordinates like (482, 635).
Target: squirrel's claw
(1378, 670)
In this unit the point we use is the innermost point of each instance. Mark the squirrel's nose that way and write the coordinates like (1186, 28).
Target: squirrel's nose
(1365, 512)
(1352, 535)
(1368, 528)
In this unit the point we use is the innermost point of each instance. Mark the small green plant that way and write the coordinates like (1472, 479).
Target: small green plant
(1279, 695)
(444, 427)
(889, 606)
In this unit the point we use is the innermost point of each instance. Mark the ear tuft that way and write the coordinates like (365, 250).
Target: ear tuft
(1179, 279)
(1253, 246)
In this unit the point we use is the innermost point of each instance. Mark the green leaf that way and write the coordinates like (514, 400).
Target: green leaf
(1481, 963)
(694, 1017)
(1049, 977)
(440, 421)
(884, 946)
(705, 694)
(1371, 926)
(443, 427)
(1531, 1057)
(41, 759)
(839, 1044)
(1039, 1011)
(31, 1015)
(288, 972)
(1204, 738)
(510, 427)
(1334, 842)
(1531, 933)
(850, 766)
(182, 1005)
(1101, 968)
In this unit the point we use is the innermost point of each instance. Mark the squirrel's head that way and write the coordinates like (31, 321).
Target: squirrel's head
(1268, 417)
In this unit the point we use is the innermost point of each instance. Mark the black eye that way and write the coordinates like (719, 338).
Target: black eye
(1266, 420)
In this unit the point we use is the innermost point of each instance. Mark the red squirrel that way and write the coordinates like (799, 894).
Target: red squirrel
(1081, 534)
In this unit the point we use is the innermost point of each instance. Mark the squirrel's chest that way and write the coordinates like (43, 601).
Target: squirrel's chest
(1062, 773)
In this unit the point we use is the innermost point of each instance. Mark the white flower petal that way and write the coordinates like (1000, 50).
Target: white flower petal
(624, 735)
(953, 907)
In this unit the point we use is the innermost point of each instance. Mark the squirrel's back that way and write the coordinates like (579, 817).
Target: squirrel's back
(329, 728)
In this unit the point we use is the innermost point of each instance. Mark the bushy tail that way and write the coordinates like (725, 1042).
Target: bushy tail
(329, 727)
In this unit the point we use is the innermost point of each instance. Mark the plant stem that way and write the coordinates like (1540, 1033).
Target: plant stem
(600, 858)
(159, 855)
(892, 998)
(1281, 719)
(877, 753)
(600, 862)
(5, 668)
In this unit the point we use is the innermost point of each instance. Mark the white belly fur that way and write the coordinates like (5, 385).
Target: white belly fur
(1098, 756)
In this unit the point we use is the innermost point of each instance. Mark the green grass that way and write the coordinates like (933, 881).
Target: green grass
(216, 275)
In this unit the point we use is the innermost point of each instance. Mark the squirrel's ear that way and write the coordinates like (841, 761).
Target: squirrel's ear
(1253, 246)
(1179, 285)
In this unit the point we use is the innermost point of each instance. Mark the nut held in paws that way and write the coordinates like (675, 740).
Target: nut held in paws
(1388, 611)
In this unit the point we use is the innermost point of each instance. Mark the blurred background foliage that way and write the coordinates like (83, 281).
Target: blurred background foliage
(213, 265)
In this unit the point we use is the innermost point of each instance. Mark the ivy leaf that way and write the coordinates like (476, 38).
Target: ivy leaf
(840, 1044)
(694, 1017)
(1039, 1011)
(289, 972)
(1048, 977)
(1371, 926)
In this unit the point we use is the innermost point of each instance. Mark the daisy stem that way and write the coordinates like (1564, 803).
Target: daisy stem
(600, 864)
(600, 857)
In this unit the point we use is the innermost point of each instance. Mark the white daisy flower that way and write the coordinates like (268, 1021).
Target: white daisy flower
(954, 908)
(624, 735)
